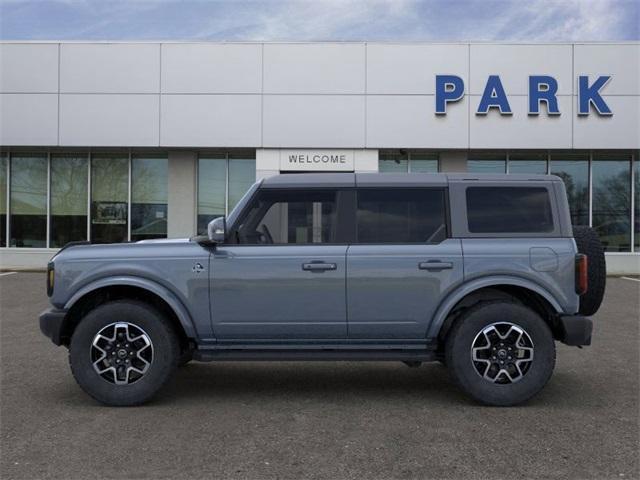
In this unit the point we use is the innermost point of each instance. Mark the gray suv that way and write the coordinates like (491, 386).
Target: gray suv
(480, 273)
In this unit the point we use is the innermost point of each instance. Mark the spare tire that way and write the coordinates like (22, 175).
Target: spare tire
(589, 244)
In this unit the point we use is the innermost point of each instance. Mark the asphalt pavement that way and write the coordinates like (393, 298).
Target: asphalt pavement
(319, 420)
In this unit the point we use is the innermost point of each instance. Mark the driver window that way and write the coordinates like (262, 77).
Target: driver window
(290, 217)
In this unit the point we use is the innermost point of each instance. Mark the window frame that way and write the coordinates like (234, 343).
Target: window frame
(447, 214)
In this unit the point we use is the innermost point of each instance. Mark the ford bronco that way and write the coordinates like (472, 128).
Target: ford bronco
(482, 273)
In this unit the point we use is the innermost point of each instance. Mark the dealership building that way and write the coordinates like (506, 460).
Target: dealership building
(114, 142)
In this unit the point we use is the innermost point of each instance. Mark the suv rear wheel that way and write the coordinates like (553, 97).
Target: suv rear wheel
(500, 353)
(123, 352)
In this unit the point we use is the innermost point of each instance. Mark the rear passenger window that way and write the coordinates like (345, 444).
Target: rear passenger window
(401, 216)
(509, 210)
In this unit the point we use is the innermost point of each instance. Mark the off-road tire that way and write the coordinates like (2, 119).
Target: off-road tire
(458, 353)
(589, 244)
(166, 352)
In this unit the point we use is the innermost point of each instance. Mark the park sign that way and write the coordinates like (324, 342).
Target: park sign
(542, 90)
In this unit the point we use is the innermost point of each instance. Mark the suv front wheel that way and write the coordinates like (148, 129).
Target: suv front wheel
(500, 353)
(123, 352)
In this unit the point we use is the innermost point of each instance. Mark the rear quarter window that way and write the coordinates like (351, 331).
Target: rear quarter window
(509, 210)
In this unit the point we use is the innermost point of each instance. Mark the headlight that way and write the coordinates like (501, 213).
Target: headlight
(50, 278)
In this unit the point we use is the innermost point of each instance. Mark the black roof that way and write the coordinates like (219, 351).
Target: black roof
(318, 180)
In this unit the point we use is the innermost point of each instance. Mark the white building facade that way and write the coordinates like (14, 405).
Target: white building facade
(111, 142)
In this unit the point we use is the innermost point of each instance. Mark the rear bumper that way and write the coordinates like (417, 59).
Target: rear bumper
(576, 330)
(51, 322)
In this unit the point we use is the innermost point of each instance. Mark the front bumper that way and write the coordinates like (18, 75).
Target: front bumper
(575, 330)
(51, 323)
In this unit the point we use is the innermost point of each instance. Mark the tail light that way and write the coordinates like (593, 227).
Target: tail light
(582, 281)
(50, 278)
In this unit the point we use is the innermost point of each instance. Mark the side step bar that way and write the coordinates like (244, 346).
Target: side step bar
(402, 355)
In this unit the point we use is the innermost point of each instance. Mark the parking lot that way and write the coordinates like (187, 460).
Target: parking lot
(319, 420)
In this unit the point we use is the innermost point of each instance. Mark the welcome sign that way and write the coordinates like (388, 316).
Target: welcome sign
(317, 160)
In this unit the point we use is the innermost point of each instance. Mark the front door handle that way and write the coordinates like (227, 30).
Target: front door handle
(435, 265)
(318, 266)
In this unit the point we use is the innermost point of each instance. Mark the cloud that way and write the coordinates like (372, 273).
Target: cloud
(330, 20)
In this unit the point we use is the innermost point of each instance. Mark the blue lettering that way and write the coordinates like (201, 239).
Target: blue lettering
(494, 97)
(590, 95)
(538, 94)
(449, 88)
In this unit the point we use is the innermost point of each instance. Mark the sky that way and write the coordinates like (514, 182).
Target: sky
(321, 20)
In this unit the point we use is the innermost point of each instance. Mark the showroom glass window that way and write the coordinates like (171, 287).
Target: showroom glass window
(487, 162)
(611, 184)
(242, 174)
(407, 162)
(401, 215)
(4, 165)
(149, 196)
(222, 181)
(290, 217)
(68, 208)
(109, 196)
(573, 169)
(528, 162)
(28, 203)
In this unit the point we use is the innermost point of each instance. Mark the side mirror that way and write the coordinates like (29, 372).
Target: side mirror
(216, 230)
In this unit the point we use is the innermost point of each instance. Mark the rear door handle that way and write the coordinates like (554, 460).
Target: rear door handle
(435, 266)
(318, 266)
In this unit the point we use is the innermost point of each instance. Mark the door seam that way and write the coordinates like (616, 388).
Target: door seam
(346, 289)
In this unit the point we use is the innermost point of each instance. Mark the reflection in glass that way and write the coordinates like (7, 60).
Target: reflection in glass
(612, 201)
(528, 162)
(242, 174)
(401, 216)
(68, 199)
(3, 200)
(291, 216)
(109, 192)
(393, 162)
(212, 178)
(28, 201)
(149, 195)
(423, 163)
(509, 210)
(487, 162)
(573, 169)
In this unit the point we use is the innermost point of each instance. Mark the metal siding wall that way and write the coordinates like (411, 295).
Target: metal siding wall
(315, 95)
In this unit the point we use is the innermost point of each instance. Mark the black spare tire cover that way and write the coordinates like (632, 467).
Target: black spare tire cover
(589, 244)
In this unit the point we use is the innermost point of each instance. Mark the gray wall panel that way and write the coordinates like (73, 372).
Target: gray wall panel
(211, 120)
(313, 121)
(622, 62)
(407, 121)
(109, 68)
(28, 68)
(211, 68)
(314, 68)
(411, 69)
(28, 119)
(109, 120)
(621, 130)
